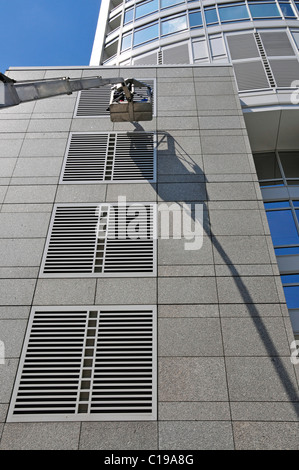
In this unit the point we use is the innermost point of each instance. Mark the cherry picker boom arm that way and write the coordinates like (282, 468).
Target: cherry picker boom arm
(13, 93)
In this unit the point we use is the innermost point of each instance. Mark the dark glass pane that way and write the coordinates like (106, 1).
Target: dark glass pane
(292, 296)
(290, 164)
(211, 16)
(282, 227)
(293, 182)
(271, 184)
(264, 10)
(287, 10)
(146, 8)
(296, 203)
(290, 278)
(266, 166)
(146, 34)
(297, 214)
(232, 13)
(173, 25)
(290, 250)
(276, 204)
(129, 14)
(195, 19)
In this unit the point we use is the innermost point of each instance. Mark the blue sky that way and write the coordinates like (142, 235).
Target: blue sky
(47, 32)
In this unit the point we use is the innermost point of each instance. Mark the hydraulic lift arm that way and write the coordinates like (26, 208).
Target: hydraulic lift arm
(13, 93)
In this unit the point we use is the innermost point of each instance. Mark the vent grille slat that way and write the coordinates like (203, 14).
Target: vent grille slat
(74, 384)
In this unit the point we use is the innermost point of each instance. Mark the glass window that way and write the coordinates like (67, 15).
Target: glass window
(149, 33)
(266, 166)
(296, 203)
(290, 278)
(277, 205)
(195, 19)
(287, 10)
(264, 10)
(290, 250)
(233, 12)
(211, 16)
(297, 5)
(146, 8)
(174, 25)
(126, 42)
(290, 164)
(129, 14)
(292, 296)
(170, 3)
(282, 227)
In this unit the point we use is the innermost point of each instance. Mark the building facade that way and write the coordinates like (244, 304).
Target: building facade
(141, 297)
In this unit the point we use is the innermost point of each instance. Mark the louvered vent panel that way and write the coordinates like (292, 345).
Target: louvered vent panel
(51, 367)
(123, 370)
(277, 44)
(109, 157)
(88, 363)
(129, 244)
(72, 242)
(95, 102)
(250, 76)
(242, 46)
(150, 59)
(99, 240)
(86, 158)
(134, 156)
(176, 55)
(285, 71)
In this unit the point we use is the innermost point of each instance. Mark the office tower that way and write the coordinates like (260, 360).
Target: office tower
(175, 341)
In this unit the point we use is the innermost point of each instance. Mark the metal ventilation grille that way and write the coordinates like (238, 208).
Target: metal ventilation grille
(242, 46)
(149, 59)
(285, 71)
(99, 240)
(110, 156)
(94, 102)
(88, 363)
(176, 55)
(250, 75)
(277, 44)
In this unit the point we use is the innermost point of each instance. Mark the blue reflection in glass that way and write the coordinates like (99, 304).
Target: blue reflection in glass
(287, 10)
(170, 3)
(296, 203)
(282, 227)
(290, 278)
(292, 296)
(126, 42)
(174, 25)
(146, 8)
(264, 10)
(211, 16)
(233, 13)
(297, 5)
(276, 204)
(146, 34)
(129, 14)
(289, 250)
(195, 19)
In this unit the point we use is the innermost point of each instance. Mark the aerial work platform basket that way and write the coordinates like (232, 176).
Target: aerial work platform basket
(131, 101)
